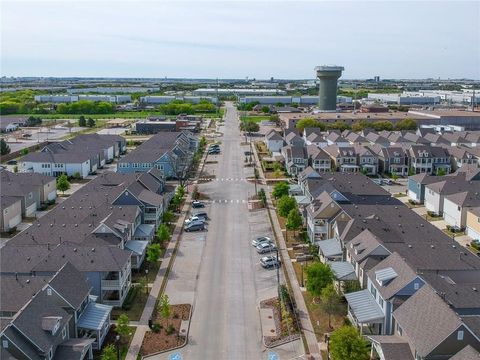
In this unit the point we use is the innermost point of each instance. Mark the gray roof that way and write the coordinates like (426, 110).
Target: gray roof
(17, 290)
(29, 320)
(73, 349)
(71, 285)
(421, 313)
(364, 307)
(403, 275)
(152, 149)
(137, 246)
(467, 353)
(273, 135)
(393, 347)
(343, 270)
(330, 247)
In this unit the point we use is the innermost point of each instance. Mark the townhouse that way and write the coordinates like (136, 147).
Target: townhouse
(51, 317)
(22, 195)
(103, 229)
(274, 141)
(296, 158)
(318, 159)
(344, 158)
(392, 160)
(169, 152)
(429, 159)
(80, 156)
(369, 236)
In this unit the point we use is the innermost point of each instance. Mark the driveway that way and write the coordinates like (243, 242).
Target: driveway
(421, 210)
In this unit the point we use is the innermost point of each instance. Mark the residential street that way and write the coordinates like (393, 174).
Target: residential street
(230, 282)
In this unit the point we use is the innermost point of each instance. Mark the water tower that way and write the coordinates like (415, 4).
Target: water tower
(328, 76)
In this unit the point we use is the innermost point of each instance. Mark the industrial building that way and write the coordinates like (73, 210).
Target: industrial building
(237, 92)
(288, 100)
(58, 99)
(405, 99)
(164, 99)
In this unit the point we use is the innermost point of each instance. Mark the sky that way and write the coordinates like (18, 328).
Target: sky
(227, 39)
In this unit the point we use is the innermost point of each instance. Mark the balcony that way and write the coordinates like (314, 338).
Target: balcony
(111, 284)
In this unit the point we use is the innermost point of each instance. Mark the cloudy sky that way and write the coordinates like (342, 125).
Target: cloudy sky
(238, 39)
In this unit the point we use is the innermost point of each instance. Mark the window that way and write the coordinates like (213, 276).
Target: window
(399, 330)
(416, 286)
(460, 335)
(380, 302)
(50, 354)
(49, 291)
(373, 291)
(458, 208)
(64, 332)
(30, 195)
(6, 211)
(5, 344)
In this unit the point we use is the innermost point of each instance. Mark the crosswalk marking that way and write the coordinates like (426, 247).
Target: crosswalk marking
(227, 201)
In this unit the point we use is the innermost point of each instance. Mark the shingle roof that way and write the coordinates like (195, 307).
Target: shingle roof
(71, 285)
(467, 353)
(421, 313)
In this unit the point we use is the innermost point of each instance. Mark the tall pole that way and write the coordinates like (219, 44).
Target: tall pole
(278, 274)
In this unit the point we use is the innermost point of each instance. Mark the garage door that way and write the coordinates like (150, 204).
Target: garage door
(52, 195)
(472, 233)
(31, 209)
(15, 221)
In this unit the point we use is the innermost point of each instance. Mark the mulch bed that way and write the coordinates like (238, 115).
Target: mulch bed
(158, 342)
(285, 333)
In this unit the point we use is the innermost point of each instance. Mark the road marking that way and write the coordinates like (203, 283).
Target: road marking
(238, 201)
(273, 356)
(231, 201)
(176, 356)
(226, 201)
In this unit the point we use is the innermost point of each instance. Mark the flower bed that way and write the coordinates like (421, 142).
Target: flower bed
(287, 328)
(163, 340)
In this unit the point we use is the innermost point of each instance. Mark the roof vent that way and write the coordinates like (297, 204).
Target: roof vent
(410, 246)
(28, 282)
(63, 207)
(38, 225)
(432, 246)
(74, 249)
(76, 225)
(51, 225)
(63, 225)
(454, 246)
(474, 288)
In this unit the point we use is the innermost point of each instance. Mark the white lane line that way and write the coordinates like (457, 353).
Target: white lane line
(231, 201)
(226, 201)
(238, 201)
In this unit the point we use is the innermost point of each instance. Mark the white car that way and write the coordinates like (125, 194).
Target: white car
(195, 219)
(260, 239)
(265, 247)
(268, 262)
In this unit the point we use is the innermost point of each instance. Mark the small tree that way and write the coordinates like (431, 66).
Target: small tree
(346, 343)
(203, 142)
(62, 183)
(285, 204)
(280, 189)
(181, 191)
(164, 307)
(109, 353)
(394, 177)
(153, 253)
(330, 302)
(76, 175)
(294, 221)
(411, 172)
(82, 122)
(15, 169)
(24, 152)
(441, 172)
(319, 275)
(4, 148)
(122, 327)
(167, 217)
(90, 122)
(265, 109)
(163, 233)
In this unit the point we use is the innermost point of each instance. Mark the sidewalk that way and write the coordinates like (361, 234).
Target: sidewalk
(305, 322)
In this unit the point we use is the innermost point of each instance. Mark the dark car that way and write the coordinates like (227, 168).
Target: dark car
(27, 135)
(214, 146)
(248, 153)
(196, 226)
(202, 215)
(213, 151)
(12, 162)
(197, 204)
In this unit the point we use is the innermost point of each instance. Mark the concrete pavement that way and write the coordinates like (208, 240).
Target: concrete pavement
(230, 281)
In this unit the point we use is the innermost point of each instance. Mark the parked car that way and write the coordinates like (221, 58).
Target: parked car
(12, 162)
(195, 219)
(268, 262)
(248, 153)
(201, 215)
(214, 146)
(265, 247)
(213, 151)
(377, 181)
(197, 204)
(388, 181)
(195, 226)
(260, 239)
(27, 135)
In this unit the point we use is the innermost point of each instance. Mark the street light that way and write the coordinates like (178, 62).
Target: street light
(301, 264)
(146, 281)
(117, 345)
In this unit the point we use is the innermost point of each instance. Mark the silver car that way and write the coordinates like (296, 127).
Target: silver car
(265, 247)
(268, 262)
(260, 239)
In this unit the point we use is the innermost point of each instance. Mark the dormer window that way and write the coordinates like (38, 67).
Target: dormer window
(385, 275)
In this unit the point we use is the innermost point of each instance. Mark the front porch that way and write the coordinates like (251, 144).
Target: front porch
(94, 323)
(364, 312)
(139, 250)
(349, 168)
(369, 169)
(330, 250)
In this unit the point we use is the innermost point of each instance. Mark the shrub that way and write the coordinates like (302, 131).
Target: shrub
(170, 329)
(156, 328)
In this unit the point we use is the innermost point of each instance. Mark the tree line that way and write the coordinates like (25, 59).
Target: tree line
(405, 124)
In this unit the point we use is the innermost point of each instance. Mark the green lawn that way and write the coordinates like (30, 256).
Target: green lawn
(256, 119)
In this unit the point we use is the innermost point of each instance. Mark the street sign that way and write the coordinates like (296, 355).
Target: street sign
(175, 356)
(273, 356)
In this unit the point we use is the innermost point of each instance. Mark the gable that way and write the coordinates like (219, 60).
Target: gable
(338, 196)
(127, 198)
